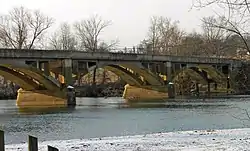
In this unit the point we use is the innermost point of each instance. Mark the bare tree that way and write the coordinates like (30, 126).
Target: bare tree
(23, 28)
(236, 16)
(163, 36)
(64, 38)
(89, 32)
(192, 45)
(215, 38)
(154, 34)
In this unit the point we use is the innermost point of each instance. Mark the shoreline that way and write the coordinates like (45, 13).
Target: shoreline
(177, 99)
(227, 139)
(116, 90)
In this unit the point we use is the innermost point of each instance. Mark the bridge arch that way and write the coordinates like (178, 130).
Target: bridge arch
(202, 74)
(197, 72)
(142, 77)
(126, 75)
(193, 74)
(23, 81)
(206, 74)
(31, 79)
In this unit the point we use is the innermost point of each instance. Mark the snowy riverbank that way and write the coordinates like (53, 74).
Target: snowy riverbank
(232, 140)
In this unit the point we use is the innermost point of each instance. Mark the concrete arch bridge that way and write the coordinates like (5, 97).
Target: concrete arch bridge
(39, 73)
(143, 79)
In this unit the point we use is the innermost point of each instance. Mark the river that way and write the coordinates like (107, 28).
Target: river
(98, 117)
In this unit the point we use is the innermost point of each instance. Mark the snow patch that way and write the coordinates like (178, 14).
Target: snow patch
(231, 140)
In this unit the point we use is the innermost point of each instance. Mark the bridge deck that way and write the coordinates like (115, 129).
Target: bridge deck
(132, 57)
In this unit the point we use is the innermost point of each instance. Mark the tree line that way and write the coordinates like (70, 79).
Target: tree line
(166, 37)
(23, 28)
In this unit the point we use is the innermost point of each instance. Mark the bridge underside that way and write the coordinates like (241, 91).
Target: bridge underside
(142, 84)
(37, 89)
(203, 74)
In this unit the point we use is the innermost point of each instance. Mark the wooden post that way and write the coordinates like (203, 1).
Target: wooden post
(33, 144)
(2, 140)
(50, 148)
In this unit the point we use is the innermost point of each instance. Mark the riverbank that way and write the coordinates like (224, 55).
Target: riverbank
(8, 93)
(102, 90)
(231, 139)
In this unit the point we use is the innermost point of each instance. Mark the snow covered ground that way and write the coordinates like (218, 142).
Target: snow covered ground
(231, 140)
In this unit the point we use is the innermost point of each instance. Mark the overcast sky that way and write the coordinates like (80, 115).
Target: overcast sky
(130, 17)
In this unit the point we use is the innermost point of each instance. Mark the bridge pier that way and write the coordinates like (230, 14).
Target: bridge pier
(67, 71)
(46, 68)
(170, 83)
(61, 97)
(68, 81)
(39, 99)
(215, 86)
(197, 89)
(43, 66)
(208, 88)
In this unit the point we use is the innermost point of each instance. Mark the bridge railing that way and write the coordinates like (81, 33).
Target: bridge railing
(143, 52)
(32, 143)
(132, 51)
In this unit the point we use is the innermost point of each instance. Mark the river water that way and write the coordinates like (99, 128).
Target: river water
(98, 117)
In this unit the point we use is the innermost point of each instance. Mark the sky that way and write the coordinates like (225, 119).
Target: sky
(130, 18)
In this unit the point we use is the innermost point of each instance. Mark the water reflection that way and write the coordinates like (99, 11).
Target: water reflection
(48, 110)
(99, 103)
(171, 105)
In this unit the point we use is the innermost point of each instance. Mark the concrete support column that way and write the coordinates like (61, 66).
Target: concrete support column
(43, 66)
(38, 65)
(215, 86)
(233, 70)
(169, 71)
(46, 68)
(197, 89)
(208, 88)
(170, 83)
(77, 72)
(148, 66)
(154, 68)
(228, 84)
(94, 75)
(67, 71)
(164, 72)
(230, 70)
(56, 76)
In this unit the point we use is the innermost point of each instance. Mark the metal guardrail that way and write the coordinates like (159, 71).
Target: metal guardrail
(32, 143)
